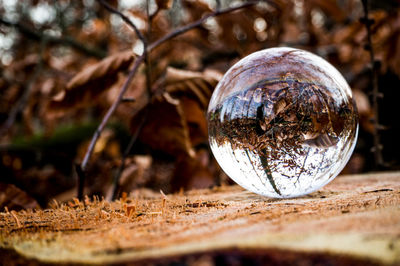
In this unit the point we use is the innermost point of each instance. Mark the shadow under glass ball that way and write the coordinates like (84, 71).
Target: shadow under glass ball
(282, 122)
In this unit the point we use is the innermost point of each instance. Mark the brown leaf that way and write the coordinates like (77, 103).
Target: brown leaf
(347, 33)
(197, 85)
(135, 174)
(165, 128)
(238, 28)
(15, 199)
(196, 9)
(393, 51)
(176, 121)
(88, 84)
(193, 173)
(196, 120)
(364, 109)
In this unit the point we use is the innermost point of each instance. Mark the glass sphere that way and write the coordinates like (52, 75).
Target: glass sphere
(282, 122)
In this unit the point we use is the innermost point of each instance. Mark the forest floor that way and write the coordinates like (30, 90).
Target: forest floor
(353, 220)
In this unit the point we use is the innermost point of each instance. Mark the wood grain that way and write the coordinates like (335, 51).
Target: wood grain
(357, 217)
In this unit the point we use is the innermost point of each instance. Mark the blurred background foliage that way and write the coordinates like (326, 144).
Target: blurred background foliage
(63, 62)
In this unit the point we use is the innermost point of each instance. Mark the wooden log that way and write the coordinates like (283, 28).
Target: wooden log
(353, 220)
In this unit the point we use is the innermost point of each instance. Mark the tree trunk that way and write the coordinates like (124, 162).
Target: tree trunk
(354, 220)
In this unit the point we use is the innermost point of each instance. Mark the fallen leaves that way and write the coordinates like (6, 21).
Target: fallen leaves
(165, 128)
(86, 86)
(75, 89)
(197, 85)
(176, 120)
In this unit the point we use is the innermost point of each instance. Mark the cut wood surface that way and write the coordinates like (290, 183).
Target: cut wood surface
(355, 217)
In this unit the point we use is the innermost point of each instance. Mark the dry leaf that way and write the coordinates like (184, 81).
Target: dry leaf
(196, 120)
(193, 173)
(165, 128)
(135, 174)
(364, 110)
(87, 85)
(198, 85)
(196, 9)
(393, 51)
(176, 120)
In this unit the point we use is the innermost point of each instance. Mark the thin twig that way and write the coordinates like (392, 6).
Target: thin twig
(134, 27)
(64, 40)
(146, 54)
(110, 111)
(377, 149)
(197, 23)
(152, 16)
(124, 18)
(140, 60)
(116, 186)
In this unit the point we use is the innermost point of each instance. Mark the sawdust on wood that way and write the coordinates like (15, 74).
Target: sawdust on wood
(356, 216)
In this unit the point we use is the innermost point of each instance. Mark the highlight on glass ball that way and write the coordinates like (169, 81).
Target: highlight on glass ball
(282, 122)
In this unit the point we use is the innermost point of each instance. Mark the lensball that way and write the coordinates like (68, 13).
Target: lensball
(282, 122)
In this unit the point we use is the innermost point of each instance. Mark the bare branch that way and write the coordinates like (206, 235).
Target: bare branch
(146, 53)
(110, 111)
(136, 65)
(65, 40)
(124, 18)
(155, 13)
(116, 186)
(135, 29)
(197, 23)
(377, 149)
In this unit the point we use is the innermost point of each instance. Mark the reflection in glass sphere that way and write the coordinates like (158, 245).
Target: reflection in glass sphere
(282, 122)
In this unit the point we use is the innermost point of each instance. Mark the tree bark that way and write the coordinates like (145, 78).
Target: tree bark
(355, 220)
